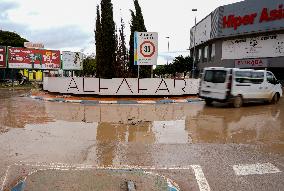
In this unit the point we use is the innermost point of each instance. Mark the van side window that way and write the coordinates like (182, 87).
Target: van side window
(270, 78)
(257, 77)
(243, 77)
(249, 77)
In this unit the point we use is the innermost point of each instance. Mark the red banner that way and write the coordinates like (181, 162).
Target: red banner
(33, 59)
(2, 57)
(50, 59)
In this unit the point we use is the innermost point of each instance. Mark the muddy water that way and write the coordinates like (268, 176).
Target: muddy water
(46, 131)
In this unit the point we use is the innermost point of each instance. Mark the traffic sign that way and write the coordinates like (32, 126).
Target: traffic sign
(145, 48)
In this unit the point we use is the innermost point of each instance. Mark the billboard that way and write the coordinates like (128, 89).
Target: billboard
(145, 48)
(2, 57)
(50, 59)
(72, 60)
(256, 47)
(24, 58)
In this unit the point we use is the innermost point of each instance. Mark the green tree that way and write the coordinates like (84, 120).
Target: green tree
(108, 39)
(137, 24)
(11, 39)
(98, 38)
(122, 53)
(89, 66)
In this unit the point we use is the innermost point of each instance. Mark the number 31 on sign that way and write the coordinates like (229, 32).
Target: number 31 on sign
(145, 48)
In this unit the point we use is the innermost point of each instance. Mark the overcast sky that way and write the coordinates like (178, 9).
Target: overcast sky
(69, 25)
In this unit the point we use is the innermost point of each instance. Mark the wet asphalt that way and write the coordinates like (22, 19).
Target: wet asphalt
(161, 138)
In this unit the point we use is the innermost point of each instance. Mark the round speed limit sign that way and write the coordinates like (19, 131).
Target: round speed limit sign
(147, 49)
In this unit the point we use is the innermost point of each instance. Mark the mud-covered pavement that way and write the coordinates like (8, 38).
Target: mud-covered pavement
(198, 147)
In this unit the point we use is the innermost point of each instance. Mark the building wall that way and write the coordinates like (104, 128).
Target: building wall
(276, 62)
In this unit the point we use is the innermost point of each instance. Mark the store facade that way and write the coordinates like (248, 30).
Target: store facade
(247, 34)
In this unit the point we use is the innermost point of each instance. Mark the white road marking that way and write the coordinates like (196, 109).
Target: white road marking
(200, 177)
(5, 178)
(253, 169)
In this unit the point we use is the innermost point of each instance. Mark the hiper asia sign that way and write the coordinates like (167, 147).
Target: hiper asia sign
(121, 86)
(266, 15)
(145, 48)
(72, 60)
(25, 58)
(2, 57)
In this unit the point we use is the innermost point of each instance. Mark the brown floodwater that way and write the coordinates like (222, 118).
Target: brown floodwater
(97, 131)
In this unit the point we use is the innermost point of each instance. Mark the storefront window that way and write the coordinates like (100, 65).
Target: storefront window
(205, 54)
(212, 56)
(199, 54)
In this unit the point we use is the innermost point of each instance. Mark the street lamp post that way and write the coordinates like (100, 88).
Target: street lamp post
(168, 49)
(194, 49)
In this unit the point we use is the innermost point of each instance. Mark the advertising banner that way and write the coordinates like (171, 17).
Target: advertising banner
(145, 48)
(72, 60)
(2, 57)
(50, 59)
(257, 47)
(24, 58)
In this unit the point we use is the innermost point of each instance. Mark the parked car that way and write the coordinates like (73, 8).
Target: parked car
(237, 86)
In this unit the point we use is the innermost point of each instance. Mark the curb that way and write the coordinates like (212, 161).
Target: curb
(122, 102)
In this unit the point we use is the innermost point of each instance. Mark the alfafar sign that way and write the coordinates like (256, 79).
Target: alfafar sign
(266, 15)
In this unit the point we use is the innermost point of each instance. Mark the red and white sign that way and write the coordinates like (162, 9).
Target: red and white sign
(251, 63)
(25, 58)
(2, 57)
(146, 48)
(266, 15)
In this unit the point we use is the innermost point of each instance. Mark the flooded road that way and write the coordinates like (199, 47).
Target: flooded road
(216, 138)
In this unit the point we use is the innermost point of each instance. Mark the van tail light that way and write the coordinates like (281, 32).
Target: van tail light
(229, 85)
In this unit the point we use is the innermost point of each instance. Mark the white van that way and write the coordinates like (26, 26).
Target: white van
(238, 86)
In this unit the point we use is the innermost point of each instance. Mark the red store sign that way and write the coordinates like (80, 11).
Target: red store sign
(2, 57)
(266, 15)
(251, 63)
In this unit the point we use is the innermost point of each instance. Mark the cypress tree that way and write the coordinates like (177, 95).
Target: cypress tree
(98, 38)
(108, 39)
(122, 54)
(132, 69)
(137, 24)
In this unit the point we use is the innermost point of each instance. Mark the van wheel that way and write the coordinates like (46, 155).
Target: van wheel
(208, 102)
(275, 99)
(238, 102)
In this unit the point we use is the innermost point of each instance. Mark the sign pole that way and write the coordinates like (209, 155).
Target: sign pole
(138, 70)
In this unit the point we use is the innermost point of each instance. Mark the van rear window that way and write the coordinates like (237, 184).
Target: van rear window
(215, 76)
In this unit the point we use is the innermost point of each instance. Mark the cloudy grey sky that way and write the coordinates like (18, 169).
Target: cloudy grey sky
(69, 25)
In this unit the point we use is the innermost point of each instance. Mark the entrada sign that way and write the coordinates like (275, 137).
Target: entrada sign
(266, 15)
(251, 63)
